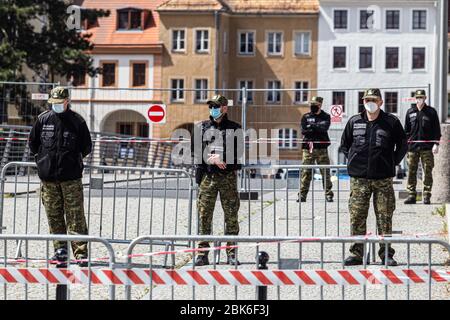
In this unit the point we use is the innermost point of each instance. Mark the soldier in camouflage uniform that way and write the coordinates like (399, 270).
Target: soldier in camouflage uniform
(315, 125)
(374, 142)
(421, 125)
(59, 140)
(218, 175)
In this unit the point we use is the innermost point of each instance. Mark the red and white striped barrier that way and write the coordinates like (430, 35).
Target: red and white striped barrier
(230, 277)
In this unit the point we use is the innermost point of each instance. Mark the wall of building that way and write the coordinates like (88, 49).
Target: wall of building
(379, 39)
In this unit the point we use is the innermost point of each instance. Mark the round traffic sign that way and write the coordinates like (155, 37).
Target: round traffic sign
(336, 111)
(156, 113)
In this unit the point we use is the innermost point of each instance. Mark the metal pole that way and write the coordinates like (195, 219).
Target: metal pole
(442, 62)
(244, 129)
(61, 289)
(261, 291)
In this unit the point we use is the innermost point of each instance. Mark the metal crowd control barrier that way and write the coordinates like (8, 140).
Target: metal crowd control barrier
(35, 278)
(314, 265)
(277, 187)
(120, 203)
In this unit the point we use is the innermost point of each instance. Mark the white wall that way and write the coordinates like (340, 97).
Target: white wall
(379, 39)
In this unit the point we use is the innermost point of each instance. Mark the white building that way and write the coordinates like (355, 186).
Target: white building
(389, 45)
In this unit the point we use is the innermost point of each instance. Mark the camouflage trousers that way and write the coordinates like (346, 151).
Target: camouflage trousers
(384, 205)
(427, 159)
(63, 202)
(319, 156)
(224, 184)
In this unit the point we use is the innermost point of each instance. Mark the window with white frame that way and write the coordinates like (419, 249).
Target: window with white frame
(178, 40)
(366, 19)
(418, 58)
(274, 43)
(246, 84)
(202, 40)
(340, 19)
(391, 102)
(302, 43)
(301, 96)
(365, 58)
(419, 19)
(392, 58)
(246, 42)
(339, 57)
(287, 138)
(201, 87)
(392, 19)
(273, 91)
(177, 90)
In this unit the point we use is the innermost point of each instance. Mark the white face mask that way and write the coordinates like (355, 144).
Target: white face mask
(58, 107)
(420, 102)
(371, 107)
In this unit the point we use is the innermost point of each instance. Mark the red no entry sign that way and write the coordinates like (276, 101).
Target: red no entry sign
(157, 113)
(336, 113)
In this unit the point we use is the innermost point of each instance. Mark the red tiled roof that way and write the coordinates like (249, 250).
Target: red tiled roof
(105, 34)
(243, 6)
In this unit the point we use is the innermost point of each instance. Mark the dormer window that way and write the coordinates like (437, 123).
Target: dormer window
(132, 19)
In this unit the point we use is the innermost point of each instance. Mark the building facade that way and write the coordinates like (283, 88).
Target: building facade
(224, 46)
(127, 49)
(387, 44)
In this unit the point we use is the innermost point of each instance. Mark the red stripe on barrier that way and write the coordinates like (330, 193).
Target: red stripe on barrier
(282, 276)
(154, 277)
(304, 277)
(436, 276)
(111, 276)
(28, 276)
(8, 277)
(370, 276)
(326, 277)
(261, 277)
(133, 277)
(413, 276)
(48, 275)
(94, 278)
(348, 277)
(218, 277)
(176, 277)
(239, 277)
(391, 276)
(197, 277)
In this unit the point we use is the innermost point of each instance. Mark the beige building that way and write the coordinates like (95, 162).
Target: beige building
(230, 44)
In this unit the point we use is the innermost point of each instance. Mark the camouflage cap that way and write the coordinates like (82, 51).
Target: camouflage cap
(316, 100)
(420, 93)
(58, 95)
(372, 94)
(218, 99)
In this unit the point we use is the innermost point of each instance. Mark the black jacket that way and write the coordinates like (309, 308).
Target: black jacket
(226, 128)
(315, 128)
(59, 143)
(373, 148)
(422, 125)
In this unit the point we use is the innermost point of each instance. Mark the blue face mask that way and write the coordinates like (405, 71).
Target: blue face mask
(215, 113)
(58, 107)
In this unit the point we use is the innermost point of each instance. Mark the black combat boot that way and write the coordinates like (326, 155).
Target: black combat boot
(390, 262)
(232, 260)
(427, 200)
(301, 199)
(329, 198)
(59, 257)
(410, 200)
(353, 260)
(202, 260)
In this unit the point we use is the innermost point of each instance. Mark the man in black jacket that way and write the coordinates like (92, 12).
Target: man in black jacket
(216, 173)
(421, 125)
(374, 142)
(315, 125)
(59, 140)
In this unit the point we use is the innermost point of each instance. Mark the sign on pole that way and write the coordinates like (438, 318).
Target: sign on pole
(336, 113)
(39, 96)
(157, 113)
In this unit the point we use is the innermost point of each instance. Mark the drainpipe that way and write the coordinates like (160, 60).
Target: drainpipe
(216, 57)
